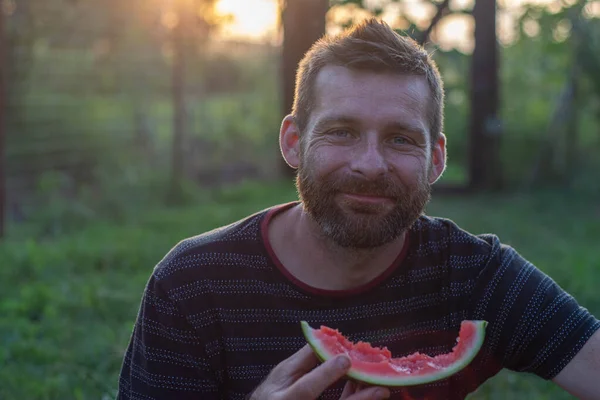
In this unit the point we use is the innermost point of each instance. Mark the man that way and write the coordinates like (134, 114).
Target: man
(220, 317)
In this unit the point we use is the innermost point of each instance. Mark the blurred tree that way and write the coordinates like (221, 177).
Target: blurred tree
(485, 129)
(303, 24)
(558, 153)
(190, 22)
(90, 77)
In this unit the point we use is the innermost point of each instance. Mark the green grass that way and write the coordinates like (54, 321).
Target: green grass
(68, 302)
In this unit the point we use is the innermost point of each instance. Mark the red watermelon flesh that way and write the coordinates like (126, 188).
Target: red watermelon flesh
(375, 365)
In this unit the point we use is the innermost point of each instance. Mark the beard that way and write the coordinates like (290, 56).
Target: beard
(359, 225)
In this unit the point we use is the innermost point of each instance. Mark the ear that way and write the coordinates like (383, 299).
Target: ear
(438, 159)
(289, 141)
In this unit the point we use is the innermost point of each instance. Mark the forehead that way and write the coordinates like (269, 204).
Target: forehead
(372, 97)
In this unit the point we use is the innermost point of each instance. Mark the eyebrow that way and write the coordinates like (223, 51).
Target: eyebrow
(323, 123)
(407, 127)
(347, 120)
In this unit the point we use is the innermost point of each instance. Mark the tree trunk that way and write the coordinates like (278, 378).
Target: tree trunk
(303, 24)
(485, 129)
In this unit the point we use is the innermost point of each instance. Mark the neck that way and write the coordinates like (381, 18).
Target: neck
(315, 260)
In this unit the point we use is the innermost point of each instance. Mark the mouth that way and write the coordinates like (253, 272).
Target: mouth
(367, 198)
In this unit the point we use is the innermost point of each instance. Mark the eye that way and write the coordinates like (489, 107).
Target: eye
(400, 140)
(340, 133)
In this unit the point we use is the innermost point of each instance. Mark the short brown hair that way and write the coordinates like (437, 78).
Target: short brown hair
(372, 46)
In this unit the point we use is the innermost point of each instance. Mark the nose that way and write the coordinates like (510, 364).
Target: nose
(368, 160)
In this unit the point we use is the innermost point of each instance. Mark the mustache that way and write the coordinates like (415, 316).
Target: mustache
(384, 187)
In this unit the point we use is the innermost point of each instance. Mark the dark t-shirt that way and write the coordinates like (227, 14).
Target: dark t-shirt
(220, 311)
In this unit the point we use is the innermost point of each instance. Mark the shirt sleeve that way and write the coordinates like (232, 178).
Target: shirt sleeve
(165, 358)
(534, 325)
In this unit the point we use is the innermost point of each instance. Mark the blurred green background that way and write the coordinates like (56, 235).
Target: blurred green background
(129, 126)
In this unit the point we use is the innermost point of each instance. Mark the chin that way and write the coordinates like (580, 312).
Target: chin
(366, 209)
(360, 231)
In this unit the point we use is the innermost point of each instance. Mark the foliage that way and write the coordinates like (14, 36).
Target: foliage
(88, 152)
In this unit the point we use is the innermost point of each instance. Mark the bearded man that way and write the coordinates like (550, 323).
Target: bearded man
(220, 316)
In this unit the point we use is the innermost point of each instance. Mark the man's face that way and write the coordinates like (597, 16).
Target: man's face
(364, 173)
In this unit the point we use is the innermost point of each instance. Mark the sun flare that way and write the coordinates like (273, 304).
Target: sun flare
(251, 19)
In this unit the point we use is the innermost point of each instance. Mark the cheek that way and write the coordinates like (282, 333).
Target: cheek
(412, 169)
(323, 159)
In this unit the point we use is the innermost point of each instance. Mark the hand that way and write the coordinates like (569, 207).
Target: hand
(297, 378)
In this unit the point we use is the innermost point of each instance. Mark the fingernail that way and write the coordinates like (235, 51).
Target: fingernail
(343, 362)
(382, 394)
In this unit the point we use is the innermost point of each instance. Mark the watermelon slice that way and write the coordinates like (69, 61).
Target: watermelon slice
(375, 365)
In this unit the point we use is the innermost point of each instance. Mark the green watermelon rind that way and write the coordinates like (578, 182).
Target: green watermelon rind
(373, 379)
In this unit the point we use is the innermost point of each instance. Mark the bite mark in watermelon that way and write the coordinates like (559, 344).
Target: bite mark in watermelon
(375, 365)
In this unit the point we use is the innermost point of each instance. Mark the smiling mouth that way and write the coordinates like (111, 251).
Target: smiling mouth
(367, 198)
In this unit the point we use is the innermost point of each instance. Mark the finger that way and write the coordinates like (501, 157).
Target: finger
(371, 393)
(349, 389)
(298, 363)
(311, 385)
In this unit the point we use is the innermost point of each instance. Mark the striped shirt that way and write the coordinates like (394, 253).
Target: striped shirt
(220, 311)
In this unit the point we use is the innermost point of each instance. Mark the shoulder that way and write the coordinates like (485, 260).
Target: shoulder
(430, 235)
(238, 240)
(464, 255)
